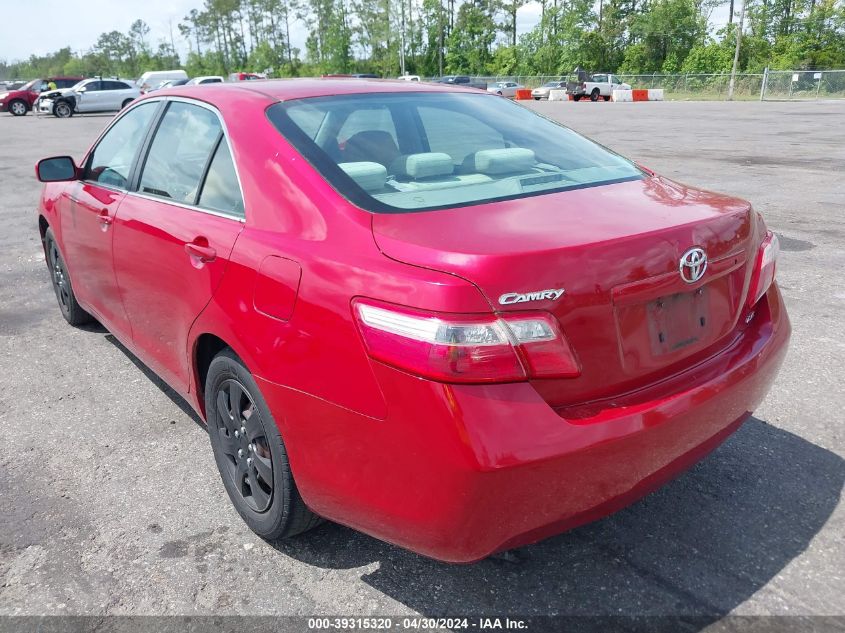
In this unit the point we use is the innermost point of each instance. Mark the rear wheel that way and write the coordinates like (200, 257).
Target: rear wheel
(126, 103)
(607, 98)
(63, 110)
(70, 308)
(594, 95)
(250, 454)
(18, 108)
(576, 97)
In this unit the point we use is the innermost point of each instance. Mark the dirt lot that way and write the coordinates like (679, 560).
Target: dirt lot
(110, 502)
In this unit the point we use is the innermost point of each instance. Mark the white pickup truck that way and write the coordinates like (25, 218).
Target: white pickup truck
(599, 85)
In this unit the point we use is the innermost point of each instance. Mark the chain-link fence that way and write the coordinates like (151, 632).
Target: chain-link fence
(804, 84)
(780, 84)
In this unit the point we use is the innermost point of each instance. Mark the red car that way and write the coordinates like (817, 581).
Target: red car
(20, 101)
(418, 310)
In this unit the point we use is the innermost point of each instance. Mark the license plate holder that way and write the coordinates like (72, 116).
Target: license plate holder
(678, 321)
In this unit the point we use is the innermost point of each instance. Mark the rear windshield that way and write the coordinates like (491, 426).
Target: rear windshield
(393, 153)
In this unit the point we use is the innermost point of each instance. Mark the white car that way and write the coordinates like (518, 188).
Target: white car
(153, 78)
(410, 78)
(504, 88)
(89, 95)
(208, 79)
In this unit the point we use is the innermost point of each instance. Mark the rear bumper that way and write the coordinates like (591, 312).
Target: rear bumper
(460, 472)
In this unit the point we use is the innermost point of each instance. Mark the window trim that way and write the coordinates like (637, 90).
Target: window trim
(143, 151)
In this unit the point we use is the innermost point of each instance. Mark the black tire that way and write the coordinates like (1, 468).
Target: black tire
(273, 510)
(126, 103)
(18, 107)
(607, 98)
(70, 308)
(594, 95)
(536, 98)
(576, 97)
(62, 110)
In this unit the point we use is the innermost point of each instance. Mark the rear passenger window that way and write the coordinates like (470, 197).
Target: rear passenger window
(180, 152)
(440, 126)
(111, 160)
(220, 191)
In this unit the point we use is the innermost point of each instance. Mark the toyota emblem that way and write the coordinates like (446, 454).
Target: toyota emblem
(693, 264)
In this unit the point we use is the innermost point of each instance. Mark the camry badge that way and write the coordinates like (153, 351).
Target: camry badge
(693, 264)
(521, 297)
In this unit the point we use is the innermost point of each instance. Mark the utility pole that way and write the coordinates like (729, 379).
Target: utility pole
(736, 52)
(440, 48)
(402, 44)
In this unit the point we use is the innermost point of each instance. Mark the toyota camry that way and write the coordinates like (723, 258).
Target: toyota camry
(418, 310)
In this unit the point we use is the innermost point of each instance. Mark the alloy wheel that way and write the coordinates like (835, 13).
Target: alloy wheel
(62, 110)
(244, 444)
(18, 108)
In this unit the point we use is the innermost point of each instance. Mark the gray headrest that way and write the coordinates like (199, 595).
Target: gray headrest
(425, 165)
(369, 176)
(500, 161)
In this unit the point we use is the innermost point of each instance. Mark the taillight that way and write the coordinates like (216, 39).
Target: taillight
(465, 348)
(764, 268)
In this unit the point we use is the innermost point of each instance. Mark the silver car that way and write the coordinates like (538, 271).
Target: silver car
(543, 91)
(89, 95)
(504, 88)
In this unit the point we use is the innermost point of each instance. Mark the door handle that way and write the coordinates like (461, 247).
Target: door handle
(105, 219)
(204, 254)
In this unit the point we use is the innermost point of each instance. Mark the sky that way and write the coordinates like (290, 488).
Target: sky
(42, 26)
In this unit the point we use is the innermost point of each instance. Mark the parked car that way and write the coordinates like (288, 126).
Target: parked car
(153, 78)
(440, 348)
(461, 80)
(89, 95)
(208, 79)
(596, 86)
(504, 88)
(543, 91)
(246, 76)
(170, 83)
(19, 102)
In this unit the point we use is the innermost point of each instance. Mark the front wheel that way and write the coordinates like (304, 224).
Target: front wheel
(536, 98)
(576, 97)
(63, 110)
(70, 308)
(18, 108)
(250, 454)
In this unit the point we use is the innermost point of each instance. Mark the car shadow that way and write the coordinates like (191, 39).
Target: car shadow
(178, 400)
(693, 550)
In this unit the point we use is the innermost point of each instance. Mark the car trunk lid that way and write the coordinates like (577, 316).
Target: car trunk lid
(615, 250)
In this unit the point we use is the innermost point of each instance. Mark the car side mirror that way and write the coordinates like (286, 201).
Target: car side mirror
(56, 169)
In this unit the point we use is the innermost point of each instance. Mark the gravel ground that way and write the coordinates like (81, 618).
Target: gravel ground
(110, 502)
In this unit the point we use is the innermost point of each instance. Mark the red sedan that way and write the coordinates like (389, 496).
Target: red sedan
(418, 310)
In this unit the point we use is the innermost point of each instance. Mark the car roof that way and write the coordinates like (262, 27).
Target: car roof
(287, 89)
